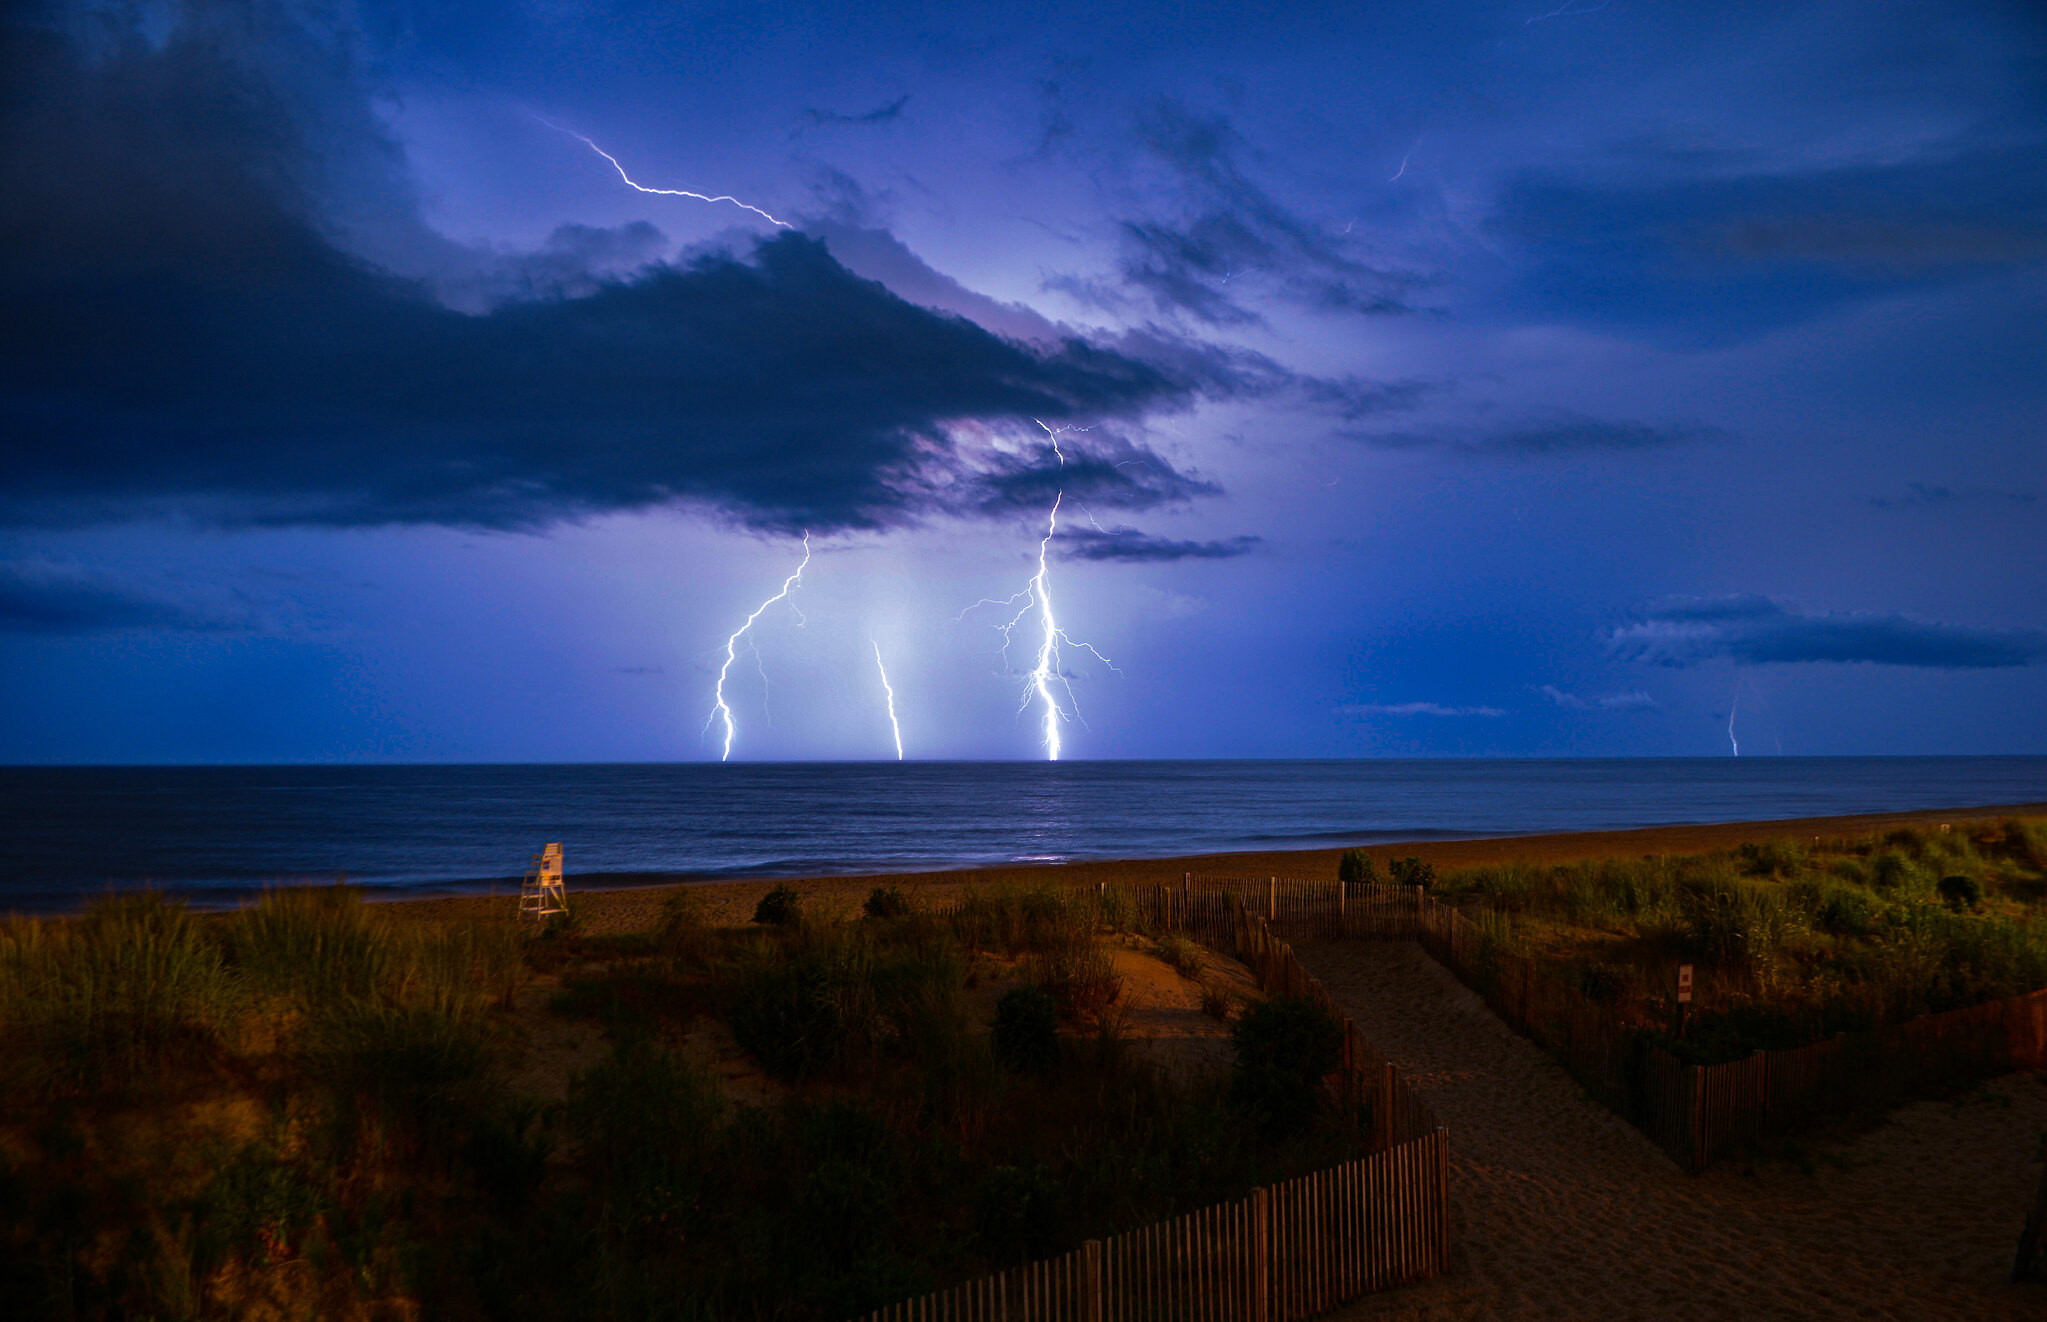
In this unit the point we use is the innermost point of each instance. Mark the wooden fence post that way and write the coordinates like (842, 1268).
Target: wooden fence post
(1271, 898)
(1261, 1255)
(1091, 1281)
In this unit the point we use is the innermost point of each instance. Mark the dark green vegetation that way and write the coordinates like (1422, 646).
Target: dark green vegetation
(310, 1108)
(1793, 940)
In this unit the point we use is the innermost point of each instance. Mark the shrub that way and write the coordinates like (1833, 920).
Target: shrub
(1355, 868)
(887, 902)
(1890, 871)
(1216, 1001)
(1847, 911)
(1961, 893)
(780, 907)
(682, 930)
(2025, 842)
(1284, 1048)
(1412, 872)
(789, 1017)
(643, 1120)
(1026, 1030)
(1181, 954)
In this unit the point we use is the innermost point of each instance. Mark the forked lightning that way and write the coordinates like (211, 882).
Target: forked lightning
(719, 709)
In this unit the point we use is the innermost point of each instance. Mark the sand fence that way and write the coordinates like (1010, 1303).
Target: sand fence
(1292, 1250)
(1697, 1114)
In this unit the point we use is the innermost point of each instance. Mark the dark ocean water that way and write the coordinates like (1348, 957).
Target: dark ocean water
(219, 833)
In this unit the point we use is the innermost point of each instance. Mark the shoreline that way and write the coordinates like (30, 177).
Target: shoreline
(625, 902)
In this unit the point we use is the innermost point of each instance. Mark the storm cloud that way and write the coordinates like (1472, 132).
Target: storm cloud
(197, 338)
(40, 596)
(1132, 546)
(1757, 630)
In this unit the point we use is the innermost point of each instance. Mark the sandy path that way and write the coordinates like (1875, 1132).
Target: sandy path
(1562, 1210)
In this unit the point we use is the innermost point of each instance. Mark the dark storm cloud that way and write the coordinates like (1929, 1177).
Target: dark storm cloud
(1129, 545)
(1721, 257)
(43, 597)
(1757, 630)
(177, 329)
(1234, 232)
(1561, 435)
(1098, 469)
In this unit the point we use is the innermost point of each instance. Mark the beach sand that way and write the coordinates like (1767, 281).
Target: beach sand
(1560, 1209)
(614, 902)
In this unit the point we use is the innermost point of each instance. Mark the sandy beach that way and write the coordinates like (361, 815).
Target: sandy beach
(632, 902)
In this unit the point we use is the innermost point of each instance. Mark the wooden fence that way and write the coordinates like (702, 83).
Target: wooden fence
(1292, 1250)
(1698, 1114)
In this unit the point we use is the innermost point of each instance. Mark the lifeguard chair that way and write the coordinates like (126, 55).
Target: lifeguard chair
(543, 892)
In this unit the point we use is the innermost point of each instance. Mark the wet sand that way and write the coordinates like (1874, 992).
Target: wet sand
(630, 902)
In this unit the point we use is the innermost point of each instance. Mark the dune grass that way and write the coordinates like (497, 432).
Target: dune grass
(305, 1107)
(1793, 939)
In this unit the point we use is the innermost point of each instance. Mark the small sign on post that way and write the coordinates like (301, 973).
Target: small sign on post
(1684, 998)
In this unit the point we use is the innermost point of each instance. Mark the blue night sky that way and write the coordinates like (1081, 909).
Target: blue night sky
(1458, 379)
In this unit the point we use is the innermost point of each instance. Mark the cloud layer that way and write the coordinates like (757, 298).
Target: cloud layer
(181, 329)
(1757, 630)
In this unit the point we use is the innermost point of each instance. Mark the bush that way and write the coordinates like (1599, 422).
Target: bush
(1412, 872)
(1355, 868)
(1026, 1031)
(643, 1120)
(1181, 954)
(1216, 1002)
(887, 902)
(789, 1017)
(780, 907)
(1846, 911)
(1284, 1048)
(1961, 893)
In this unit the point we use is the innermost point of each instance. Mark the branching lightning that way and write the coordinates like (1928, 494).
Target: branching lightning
(664, 192)
(1037, 596)
(719, 709)
(894, 729)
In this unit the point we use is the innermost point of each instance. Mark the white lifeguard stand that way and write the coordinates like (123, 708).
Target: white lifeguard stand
(543, 892)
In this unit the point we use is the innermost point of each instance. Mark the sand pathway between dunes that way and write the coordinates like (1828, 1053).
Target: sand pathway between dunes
(1562, 1210)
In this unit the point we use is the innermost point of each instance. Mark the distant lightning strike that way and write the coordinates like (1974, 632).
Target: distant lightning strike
(894, 729)
(1037, 596)
(665, 192)
(719, 709)
(1733, 706)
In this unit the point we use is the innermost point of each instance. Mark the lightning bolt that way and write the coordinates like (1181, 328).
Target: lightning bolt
(664, 192)
(1733, 705)
(719, 709)
(1037, 595)
(894, 729)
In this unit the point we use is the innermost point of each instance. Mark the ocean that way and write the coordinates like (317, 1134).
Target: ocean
(219, 834)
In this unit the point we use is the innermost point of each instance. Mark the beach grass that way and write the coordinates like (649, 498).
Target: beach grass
(1794, 938)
